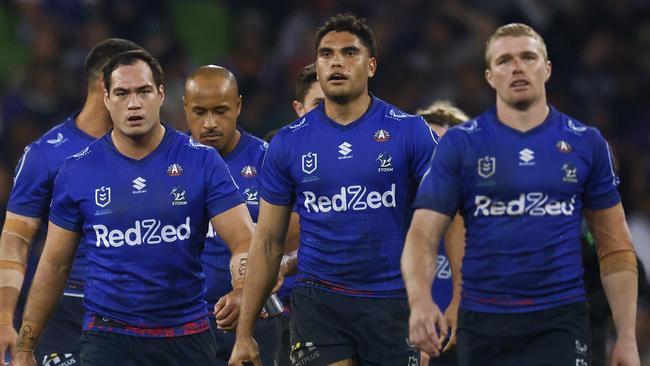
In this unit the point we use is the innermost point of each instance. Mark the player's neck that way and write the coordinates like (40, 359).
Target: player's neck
(348, 112)
(232, 145)
(523, 119)
(138, 147)
(94, 118)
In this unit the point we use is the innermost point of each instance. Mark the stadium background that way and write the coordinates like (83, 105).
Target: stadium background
(600, 52)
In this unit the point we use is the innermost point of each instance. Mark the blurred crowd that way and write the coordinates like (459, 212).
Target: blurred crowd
(428, 50)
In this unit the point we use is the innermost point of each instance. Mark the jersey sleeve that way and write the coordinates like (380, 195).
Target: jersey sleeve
(424, 141)
(440, 187)
(277, 187)
(222, 191)
(64, 210)
(601, 187)
(32, 189)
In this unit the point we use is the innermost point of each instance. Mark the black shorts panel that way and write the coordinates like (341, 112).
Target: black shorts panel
(552, 337)
(327, 327)
(61, 338)
(109, 349)
(267, 334)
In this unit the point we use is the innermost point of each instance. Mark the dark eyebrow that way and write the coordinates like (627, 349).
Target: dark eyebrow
(144, 87)
(351, 48)
(324, 49)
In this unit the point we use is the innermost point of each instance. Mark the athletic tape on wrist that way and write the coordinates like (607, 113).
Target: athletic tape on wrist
(19, 228)
(619, 261)
(6, 318)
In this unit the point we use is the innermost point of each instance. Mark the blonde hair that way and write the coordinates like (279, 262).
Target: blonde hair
(443, 113)
(514, 30)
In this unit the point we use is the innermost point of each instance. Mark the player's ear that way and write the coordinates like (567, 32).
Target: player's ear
(161, 92)
(240, 100)
(549, 68)
(297, 107)
(372, 66)
(488, 77)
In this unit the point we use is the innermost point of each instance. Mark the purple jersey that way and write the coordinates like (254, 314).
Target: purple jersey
(521, 195)
(245, 163)
(34, 181)
(353, 187)
(143, 224)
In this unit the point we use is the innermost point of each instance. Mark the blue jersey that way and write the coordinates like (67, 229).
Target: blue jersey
(245, 163)
(34, 181)
(521, 195)
(143, 224)
(353, 187)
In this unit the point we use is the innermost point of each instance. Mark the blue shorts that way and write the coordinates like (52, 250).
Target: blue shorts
(557, 336)
(327, 327)
(60, 344)
(109, 349)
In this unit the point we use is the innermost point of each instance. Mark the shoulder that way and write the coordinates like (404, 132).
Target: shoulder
(256, 143)
(391, 112)
(577, 128)
(51, 140)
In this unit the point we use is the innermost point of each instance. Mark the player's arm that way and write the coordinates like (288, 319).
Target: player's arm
(18, 232)
(289, 263)
(49, 281)
(418, 269)
(455, 248)
(235, 227)
(265, 255)
(618, 272)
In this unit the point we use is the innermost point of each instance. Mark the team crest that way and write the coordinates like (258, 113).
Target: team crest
(563, 146)
(570, 173)
(486, 166)
(384, 162)
(381, 135)
(178, 196)
(103, 196)
(248, 171)
(309, 162)
(174, 170)
(251, 197)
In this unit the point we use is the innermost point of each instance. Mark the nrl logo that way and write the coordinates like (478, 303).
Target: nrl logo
(103, 196)
(309, 162)
(486, 166)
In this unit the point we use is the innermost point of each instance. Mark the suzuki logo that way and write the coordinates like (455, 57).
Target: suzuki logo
(344, 148)
(138, 183)
(526, 156)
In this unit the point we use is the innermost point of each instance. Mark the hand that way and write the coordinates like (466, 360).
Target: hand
(24, 358)
(451, 317)
(245, 350)
(8, 338)
(424, 358)
(625, 352)
(226, 310)
(425, 322)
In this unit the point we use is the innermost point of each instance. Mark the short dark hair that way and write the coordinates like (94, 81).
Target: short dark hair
(130, 58)
(103, 52)
(306, 79)
(348, 22)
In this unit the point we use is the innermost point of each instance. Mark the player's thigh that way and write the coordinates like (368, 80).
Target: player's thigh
(194, 349)
(319, 331)
(61, 338)
(105, 349)
(380, 328)
(563, 337)
(347, 362)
